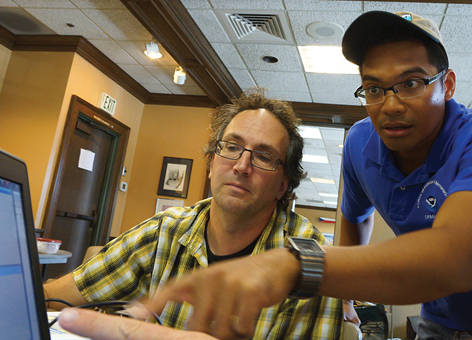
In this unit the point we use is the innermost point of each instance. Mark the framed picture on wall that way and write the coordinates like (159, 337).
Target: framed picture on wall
(164, 203)
(175, 177)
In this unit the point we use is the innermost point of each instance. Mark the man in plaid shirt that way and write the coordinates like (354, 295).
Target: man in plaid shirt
(254, 160)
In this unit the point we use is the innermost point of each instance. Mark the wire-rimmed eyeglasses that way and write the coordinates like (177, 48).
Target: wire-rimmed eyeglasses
(260, 159)
(406, 89)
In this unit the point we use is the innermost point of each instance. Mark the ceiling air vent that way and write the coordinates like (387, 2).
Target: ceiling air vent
(260, 24)
(256, 27)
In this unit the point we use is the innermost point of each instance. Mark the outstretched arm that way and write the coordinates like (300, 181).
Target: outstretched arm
(99, 326)
(415, 267)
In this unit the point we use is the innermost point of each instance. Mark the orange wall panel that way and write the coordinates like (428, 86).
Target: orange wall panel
(170, 131)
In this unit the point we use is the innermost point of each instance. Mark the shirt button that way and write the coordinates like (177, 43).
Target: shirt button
(402, 188)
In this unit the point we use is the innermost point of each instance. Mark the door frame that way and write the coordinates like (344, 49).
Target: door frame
(81, 108)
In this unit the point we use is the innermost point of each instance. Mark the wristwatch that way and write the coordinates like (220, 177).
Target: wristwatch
(311, 256)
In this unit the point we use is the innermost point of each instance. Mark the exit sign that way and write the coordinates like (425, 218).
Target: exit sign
(107, 103)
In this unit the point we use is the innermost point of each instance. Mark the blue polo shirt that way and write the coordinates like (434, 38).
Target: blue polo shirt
(373, 182)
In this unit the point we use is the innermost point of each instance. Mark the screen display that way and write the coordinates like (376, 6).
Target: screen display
(18, 315)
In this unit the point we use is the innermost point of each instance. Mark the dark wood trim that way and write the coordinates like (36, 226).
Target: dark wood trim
(85, 49)
(180, 100)
(7, 38)
(170, 23)
(329, 114)
(313, 207)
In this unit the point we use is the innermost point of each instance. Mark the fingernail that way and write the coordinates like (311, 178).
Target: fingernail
(68, 315)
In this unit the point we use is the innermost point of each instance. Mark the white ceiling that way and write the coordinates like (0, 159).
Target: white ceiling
(109, 26)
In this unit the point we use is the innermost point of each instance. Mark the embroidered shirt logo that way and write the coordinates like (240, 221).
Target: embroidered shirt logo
(431, 201)
(431, 196)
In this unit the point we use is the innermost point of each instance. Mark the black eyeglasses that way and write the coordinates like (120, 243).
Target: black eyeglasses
(406, 89)
(260, 159)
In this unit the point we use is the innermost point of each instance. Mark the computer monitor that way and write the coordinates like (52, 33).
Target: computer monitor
(23, 311)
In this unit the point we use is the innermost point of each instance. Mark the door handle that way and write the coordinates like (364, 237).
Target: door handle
(74, 215)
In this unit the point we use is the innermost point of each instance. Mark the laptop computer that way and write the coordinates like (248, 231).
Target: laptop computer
(23, 313)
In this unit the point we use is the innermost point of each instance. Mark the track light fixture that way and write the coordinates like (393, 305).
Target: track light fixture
(179, 76)
(152, 50)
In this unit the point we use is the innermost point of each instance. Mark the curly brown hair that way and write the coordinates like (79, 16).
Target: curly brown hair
(253, 99)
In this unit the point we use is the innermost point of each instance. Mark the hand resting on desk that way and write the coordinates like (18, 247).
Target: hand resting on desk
(99, 326)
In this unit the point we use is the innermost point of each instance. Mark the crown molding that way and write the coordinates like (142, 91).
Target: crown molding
(81, 46)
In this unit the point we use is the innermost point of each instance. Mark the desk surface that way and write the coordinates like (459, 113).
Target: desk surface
(60, 257)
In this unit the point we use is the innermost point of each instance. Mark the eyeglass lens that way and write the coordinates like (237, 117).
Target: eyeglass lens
(409, 89)
(259, 159)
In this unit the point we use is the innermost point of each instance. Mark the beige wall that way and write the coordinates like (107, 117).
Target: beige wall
(165, 131)
(5, 54)
(34, 101)
(30, 105)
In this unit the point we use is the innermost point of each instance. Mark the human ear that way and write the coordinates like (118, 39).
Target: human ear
(211, 166)
(283, 187)
(449, 84)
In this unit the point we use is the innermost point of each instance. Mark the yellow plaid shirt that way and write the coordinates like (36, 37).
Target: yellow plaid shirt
(172, 243)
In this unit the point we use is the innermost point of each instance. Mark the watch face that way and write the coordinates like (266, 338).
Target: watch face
(306, 245)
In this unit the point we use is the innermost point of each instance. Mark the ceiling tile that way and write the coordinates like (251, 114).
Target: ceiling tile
(57, 20)
(247, 4)
(301, 19)
(335, 99)
(119, 24)
(303, 97)
(113, 51)
(321, 5)
(18, 21)
(333, 83)
(105, 4)
(454, 33)
(45, 3)
(229, 54)
(288, 56)
(421, 8)
(459, 9)
(184, 89)
(7, 3)
(335, 134)
(210, 26)
(281, 81)
(463, 94)
(156, 88)
(196, 4)
(462, 62)
(165, 75)
(139, 73)
(242, 77)
(136, 50)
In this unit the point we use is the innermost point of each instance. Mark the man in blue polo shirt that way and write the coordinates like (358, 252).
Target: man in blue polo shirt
(411, 159)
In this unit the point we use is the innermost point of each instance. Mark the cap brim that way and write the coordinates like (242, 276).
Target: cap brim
(372, 26)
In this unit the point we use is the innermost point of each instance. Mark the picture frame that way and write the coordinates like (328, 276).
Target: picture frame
(164, 203)
(175, 177)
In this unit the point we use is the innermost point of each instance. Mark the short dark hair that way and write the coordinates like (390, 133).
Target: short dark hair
(436, 54)
(253, 99)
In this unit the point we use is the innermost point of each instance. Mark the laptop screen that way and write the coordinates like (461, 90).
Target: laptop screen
(23, 314)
